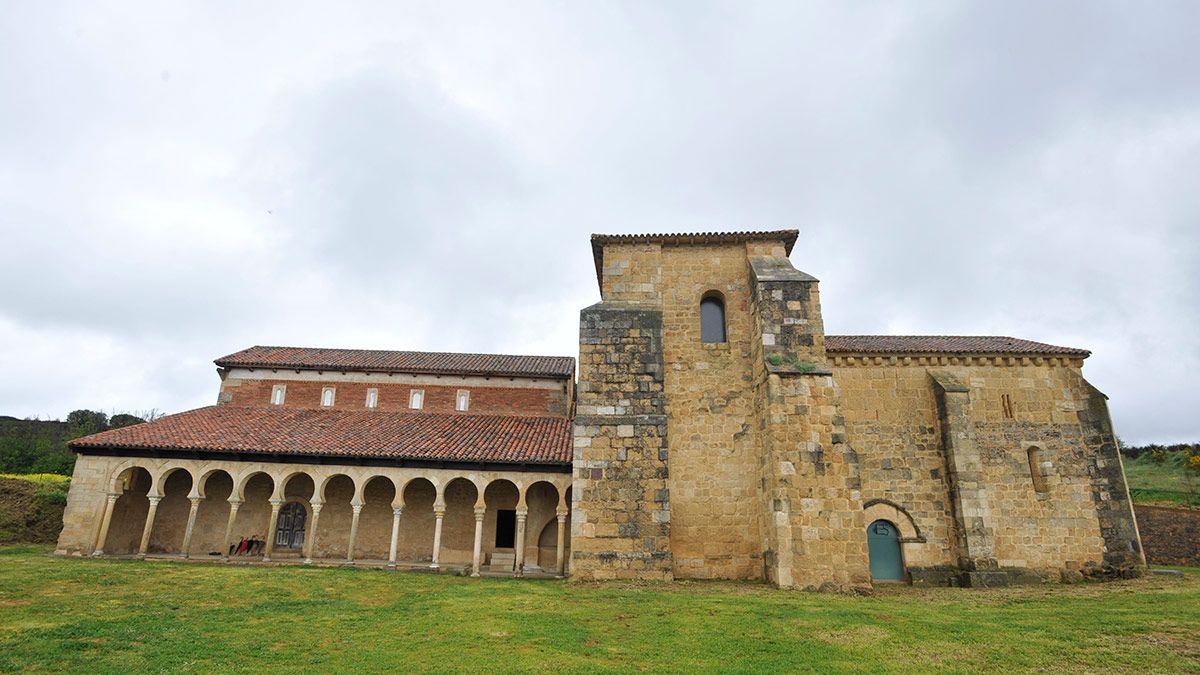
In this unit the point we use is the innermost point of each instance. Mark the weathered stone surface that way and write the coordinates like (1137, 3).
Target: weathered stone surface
(774, 456)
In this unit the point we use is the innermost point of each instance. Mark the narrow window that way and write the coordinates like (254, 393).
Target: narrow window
(1006, 405)
(1037, 470)
(712, 318)
(462, 401)
(416, 399)
(327, 395)
(372, 398)
(277, 394)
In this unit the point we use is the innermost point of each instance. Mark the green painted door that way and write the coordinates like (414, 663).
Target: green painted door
(883, 545)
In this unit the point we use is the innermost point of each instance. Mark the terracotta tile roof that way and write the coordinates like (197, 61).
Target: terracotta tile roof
(944, 344)
(386, 361)
(342, 433)
(787, 237)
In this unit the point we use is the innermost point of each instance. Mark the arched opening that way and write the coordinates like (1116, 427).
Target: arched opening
(458, 525)
(1037, 470)
(712, 317)
(542, 501)
(416, 525)
(254, 516)
(129, 512)
(375, 521)
(883, 548)
(333, 527)
(208, 536)
(170, 522)
(500, 525)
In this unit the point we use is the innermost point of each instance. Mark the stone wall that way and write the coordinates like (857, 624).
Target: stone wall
(964, 476)
(621, 521)
(710, 405)
(1171, 535)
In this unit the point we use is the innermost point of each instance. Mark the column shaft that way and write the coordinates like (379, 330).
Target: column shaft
(353, 531)
(109, 503)
(477, 556)
(520, 563)
(275, 504)
(310, 537)
(437, 537)
(149, 526)
(395, 536)
(233, 510)
(560, 561)
(191, 527)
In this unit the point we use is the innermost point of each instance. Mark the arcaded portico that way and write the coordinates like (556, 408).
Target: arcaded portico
(434, 517)
(459, 462)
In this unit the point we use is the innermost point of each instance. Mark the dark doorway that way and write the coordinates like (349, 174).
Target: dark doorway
(506, 528)
(290, 532)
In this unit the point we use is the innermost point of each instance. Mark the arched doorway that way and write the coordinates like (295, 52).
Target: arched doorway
(883, 547)
(289, 533)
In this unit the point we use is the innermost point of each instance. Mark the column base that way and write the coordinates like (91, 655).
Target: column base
(98, 553)
(434, 566)
(391, 565)
(308, 561)
(141, 556)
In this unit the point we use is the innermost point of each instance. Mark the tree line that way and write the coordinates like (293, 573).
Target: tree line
(40, 446)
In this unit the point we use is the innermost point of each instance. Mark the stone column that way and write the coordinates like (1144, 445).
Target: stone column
(560, 562)
(105, 520)
(310, 539)
(149, 526)
(477, 556)
(357, 508)
(275, 504)
(437, 535)
(233, 509)
(395, 536)
(191, 526)
(520, 564)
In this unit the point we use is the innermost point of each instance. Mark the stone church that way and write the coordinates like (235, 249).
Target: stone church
(713, 431)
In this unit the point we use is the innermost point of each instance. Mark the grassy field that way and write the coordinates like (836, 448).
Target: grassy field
(1162, 483)
(129, 616)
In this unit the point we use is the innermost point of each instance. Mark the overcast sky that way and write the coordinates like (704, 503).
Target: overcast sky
(178, 182)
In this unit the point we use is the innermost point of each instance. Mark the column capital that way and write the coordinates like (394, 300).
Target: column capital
(316, 507)
(562, 515)
(234, 503)
(480, 512)
(195, 500)
(154, 499)
(276, 502)
(522, 514)
(438, 513)
(397, 511)
(357, 508)
(112, 497)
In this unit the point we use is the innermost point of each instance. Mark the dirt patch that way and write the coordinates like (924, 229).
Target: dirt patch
(1170, 536)
(29, 514)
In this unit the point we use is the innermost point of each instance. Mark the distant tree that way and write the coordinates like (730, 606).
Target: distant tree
(124, 420)
(85, 422)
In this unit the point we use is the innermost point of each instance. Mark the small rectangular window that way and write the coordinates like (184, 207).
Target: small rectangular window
(372, 398)
(277, 394)
(327, 395)
(462, 401)
(416, 399)
(1006, 405)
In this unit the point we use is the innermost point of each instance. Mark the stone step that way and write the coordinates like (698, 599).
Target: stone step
(502, 562)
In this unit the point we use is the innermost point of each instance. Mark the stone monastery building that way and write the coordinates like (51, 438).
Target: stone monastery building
(714, 431)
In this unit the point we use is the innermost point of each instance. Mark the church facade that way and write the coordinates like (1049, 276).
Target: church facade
(714, 431)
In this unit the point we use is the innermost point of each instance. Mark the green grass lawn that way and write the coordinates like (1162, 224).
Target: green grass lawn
(1162, 482)
(130, 616)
